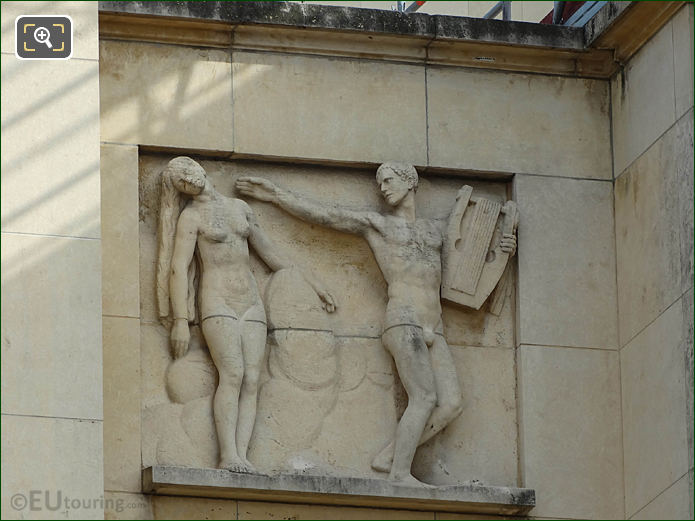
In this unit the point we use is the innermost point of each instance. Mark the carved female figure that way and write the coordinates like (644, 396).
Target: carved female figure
(211, 235)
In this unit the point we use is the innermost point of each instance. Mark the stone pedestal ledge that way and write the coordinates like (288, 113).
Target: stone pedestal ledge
(328, 490)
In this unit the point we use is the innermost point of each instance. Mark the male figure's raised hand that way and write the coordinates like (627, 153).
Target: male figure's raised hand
(258, 188)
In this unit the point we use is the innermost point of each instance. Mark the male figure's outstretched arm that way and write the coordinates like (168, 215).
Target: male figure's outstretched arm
(325, 214)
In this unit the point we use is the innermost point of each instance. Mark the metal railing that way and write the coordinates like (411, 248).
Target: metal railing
(505, 7)
(577, 19)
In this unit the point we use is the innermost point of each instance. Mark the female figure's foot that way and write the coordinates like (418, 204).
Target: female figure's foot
(236, 465)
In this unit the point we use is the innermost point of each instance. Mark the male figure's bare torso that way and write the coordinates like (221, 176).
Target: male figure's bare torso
(409, 256)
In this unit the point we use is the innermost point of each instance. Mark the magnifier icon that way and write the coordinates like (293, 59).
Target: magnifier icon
(42, 35)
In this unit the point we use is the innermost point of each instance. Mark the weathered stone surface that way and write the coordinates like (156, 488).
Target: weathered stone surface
(654, 409)
(120, 260)
(284, 91)
(480, 29)
(648, 228)
(283, 14)
(362, 20)
(687, 343)
(122, 409)
(168, 507)
(643, 100)
(569, 401)
(123, 505)
(366, 384)
(450, 516)
(318, 489)
(481, 444)
(567, 294)
(682, 26)
(50, 179)
(68, 453)
(303, 368)
(52, 365)
(155, 357)
(480, 328)
(685, 174)
(672, 503)
(185, 104)
(555, 110)
(261, 510)
(690, 492)
(602, 21)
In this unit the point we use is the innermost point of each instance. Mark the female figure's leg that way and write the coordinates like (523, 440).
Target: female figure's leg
(224, 341)
(253, 341)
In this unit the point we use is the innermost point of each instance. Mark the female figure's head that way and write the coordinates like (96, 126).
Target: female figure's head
(182, 175)
(185, 175)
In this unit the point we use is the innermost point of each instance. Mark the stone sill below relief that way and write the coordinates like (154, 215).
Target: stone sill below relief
(307, 489)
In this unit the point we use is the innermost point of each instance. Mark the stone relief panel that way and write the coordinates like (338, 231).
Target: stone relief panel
(329, 396)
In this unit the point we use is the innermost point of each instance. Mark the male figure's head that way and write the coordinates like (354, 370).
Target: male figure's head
(396, 180)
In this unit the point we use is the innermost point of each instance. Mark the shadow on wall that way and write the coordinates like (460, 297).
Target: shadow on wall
(151, 94)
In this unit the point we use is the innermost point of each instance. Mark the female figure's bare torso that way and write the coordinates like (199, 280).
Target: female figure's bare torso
(227, 286)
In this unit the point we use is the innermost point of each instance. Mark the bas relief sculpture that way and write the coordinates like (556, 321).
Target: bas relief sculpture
(208, 296)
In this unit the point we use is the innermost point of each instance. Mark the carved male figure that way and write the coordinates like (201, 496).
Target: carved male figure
(408, 252)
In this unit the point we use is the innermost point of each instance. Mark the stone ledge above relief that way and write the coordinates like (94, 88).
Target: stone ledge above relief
(302, 488)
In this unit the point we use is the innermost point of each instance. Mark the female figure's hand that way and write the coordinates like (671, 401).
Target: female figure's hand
(180, 336)
(328, 301)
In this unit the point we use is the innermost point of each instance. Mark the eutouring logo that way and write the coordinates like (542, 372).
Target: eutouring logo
(43, 37)
(57, 501)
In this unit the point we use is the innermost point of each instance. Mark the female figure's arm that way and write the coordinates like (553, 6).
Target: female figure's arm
(267, 251)
(184, 247)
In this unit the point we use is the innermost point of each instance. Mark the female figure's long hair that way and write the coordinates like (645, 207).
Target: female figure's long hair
(171, 204)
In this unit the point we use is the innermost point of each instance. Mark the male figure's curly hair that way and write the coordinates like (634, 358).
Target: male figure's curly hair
(405, 171)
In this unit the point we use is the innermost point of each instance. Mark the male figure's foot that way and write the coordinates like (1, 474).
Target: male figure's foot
(382, 462)
(410, 481)
(249, 466)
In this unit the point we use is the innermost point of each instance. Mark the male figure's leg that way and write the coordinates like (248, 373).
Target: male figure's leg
(407, 346)
(449, 400)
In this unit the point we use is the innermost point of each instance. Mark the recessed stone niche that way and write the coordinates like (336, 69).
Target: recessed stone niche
(324, 412)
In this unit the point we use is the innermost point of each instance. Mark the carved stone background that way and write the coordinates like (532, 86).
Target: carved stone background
(328, 401)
